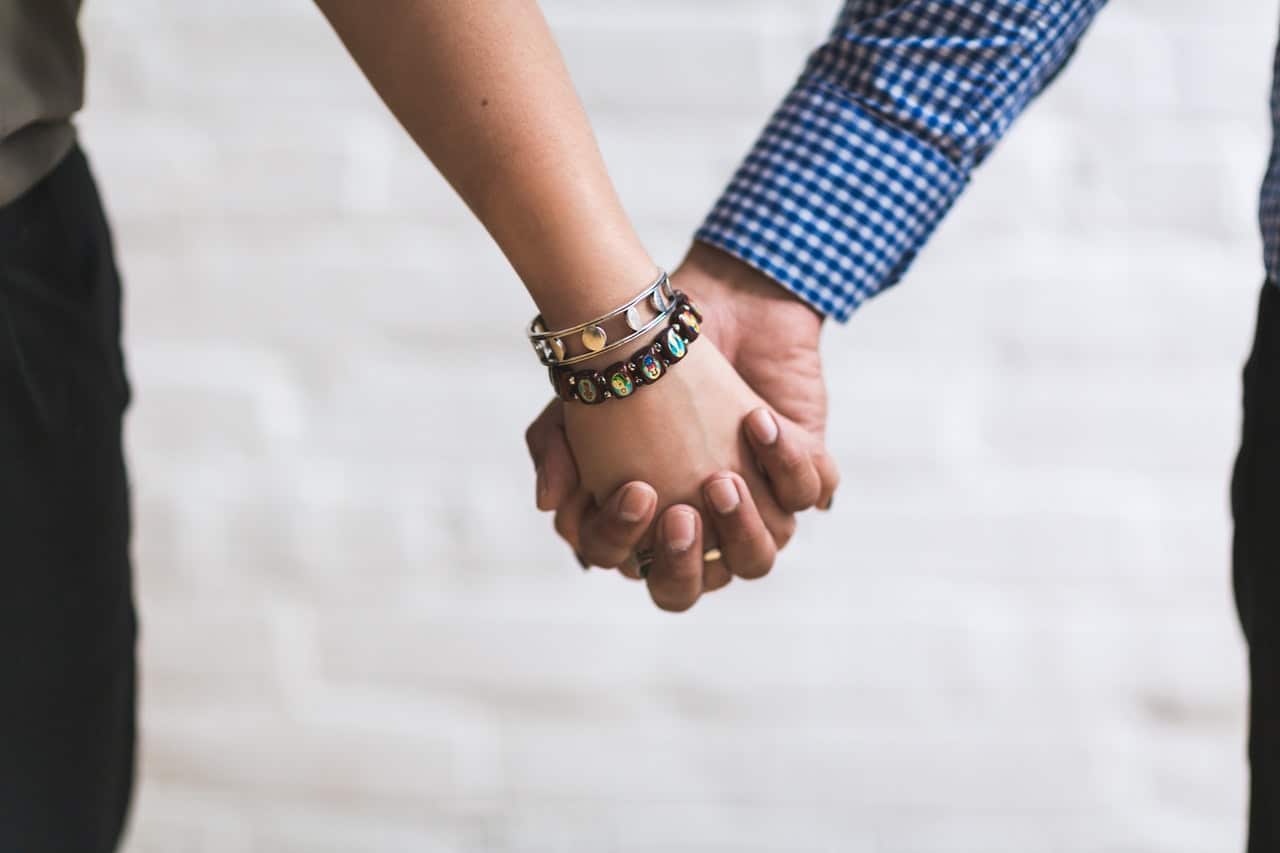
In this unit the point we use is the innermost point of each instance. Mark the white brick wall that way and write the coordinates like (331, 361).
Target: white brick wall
(1014, 632)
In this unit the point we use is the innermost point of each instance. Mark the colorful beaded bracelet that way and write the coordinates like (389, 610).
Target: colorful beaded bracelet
(645, 367)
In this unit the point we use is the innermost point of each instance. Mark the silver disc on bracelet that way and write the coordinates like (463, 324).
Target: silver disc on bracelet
(592, 333)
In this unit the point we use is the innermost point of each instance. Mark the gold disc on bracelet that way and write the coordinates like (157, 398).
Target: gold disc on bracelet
(594, 338)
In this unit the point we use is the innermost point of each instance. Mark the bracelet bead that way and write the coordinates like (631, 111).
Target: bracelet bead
(691, 308)
(674, 347)
(649, 367)
(621, 382)
(589, 387)
(690, 322)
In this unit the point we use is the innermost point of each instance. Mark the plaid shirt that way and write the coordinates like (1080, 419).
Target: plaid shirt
(880, 134)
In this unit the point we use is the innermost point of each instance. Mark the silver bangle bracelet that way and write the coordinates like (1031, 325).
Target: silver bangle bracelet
(621, 342)
(551, 346)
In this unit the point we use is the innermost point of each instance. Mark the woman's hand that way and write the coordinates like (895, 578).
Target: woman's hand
(671, 434)
(674, 436)
(606, 533)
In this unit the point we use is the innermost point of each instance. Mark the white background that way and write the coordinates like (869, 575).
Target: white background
(1013, 633)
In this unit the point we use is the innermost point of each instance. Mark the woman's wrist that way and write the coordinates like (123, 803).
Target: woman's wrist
(587, 324)
(655, 331)
(596, 280)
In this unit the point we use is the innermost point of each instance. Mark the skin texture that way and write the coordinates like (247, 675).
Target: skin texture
(482, 89)
(771, 338)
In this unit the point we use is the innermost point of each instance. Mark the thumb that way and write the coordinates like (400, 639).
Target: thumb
(802, 473)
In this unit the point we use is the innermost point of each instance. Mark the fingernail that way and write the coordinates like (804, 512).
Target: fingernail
(830, 502)
(633, 503)
(542, 485)
(723, 494)
(581, 561)
(763, 426)
(679, 530)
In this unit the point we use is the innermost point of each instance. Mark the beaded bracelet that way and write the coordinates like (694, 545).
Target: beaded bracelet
(645, 367)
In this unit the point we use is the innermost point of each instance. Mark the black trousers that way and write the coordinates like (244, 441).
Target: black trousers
(66, 603)
(1255, 501)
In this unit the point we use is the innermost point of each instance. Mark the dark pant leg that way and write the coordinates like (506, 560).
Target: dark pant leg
(66, 611)
(1255, 498)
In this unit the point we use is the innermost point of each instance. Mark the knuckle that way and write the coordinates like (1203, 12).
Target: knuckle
(566, 528)
(783, 531)
(607, 555)
(733, 531)
(603, 559)
(533, 435)
(790, 461)
(718, 582)
(823, 458)
(612, 533)
(800, 495)
(755, 564)
(593, 544)
(790, 501)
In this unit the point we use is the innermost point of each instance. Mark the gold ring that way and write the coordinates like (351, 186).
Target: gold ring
(711, 555)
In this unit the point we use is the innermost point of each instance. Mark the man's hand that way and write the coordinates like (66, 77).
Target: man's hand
(771, 339)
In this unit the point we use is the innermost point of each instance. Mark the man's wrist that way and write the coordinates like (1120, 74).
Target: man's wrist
(738, 297)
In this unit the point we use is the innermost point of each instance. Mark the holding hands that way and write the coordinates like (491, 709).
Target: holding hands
(717, 455)
(715, 458)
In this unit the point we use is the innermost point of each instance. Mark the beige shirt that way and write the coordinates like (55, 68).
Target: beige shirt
(41, 88)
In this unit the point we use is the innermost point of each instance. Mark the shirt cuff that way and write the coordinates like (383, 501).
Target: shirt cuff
(834, 200)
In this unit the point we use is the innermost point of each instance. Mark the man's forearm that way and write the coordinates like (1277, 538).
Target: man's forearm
(879, 136)
(484, 92)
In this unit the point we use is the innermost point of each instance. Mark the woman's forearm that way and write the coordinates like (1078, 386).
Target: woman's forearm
(482, 88)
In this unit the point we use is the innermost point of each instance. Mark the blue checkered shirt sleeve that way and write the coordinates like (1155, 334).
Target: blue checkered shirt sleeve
(880, 134)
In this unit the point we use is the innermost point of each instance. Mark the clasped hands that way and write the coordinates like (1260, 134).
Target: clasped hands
(722, 453)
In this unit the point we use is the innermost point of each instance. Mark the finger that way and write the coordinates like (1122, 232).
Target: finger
(782, 449)
(570, 515)
(611, 533)
(829, 474)
(780, 523)
(746, 547)
(675, 578)
(557, 473)
(715, 576)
